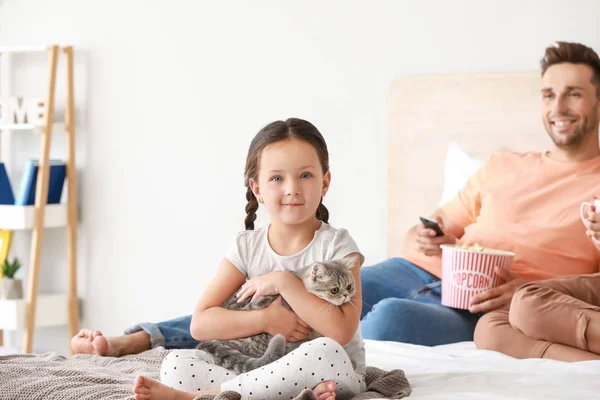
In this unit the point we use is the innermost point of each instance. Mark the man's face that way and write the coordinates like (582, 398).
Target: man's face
(570, 105)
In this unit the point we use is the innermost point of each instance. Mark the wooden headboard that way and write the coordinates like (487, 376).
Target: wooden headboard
(482, 112)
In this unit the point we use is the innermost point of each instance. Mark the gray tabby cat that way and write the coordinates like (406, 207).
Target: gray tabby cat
(330, 280)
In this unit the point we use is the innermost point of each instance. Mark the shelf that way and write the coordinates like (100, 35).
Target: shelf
(51, 310)
(19, 127)
(7, 351)
(56, 126)
(23, 49)
(21, 217)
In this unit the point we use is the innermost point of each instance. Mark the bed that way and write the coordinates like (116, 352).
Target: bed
(456, 371)
(427, 116)
(459, 371)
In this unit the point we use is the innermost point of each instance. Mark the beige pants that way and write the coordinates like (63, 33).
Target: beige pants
(542, 313)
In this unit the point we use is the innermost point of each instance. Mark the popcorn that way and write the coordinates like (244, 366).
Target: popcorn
(476, 247)
(468, 270)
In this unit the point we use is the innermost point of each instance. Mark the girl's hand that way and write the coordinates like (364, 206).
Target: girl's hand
(264, 285)
(280, 320)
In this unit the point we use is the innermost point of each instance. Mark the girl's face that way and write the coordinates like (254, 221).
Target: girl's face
(290, 181)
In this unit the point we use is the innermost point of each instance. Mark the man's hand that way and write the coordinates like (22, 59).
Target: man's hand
(592, 224)
(499, 297)
(428, 243)
(278, 319)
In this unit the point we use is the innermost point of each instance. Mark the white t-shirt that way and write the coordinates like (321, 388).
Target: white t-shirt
(252, 254)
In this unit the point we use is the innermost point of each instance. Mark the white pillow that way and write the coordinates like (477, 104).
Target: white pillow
(458, 168)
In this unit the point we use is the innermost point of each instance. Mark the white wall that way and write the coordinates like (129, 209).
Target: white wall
(171, 93)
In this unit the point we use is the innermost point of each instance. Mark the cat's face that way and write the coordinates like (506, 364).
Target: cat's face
(332, 280)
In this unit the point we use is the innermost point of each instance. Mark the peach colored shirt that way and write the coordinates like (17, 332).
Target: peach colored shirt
(526, 203)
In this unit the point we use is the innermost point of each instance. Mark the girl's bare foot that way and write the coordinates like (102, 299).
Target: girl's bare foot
(148, 389)
(89, 341)
(325, 391)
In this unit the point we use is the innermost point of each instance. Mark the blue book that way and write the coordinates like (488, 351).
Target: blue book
(6, 193)
(58, 172)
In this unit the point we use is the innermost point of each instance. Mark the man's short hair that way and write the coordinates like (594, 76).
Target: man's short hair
(574, 53)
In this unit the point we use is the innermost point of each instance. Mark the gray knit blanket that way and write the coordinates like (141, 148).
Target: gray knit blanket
(51, 376)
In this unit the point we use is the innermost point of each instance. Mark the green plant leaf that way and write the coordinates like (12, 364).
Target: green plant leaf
(9, 269)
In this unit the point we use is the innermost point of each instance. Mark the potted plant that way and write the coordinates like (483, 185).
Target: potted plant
(11, 288)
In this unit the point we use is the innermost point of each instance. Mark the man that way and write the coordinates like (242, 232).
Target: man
(525, 203)
(559, 318)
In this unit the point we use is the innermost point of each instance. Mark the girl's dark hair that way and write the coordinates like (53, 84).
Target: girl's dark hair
(275, 132)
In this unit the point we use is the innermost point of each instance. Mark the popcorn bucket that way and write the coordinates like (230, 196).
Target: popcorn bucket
(467, 272)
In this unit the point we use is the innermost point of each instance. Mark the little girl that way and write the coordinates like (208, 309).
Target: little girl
(287, 170)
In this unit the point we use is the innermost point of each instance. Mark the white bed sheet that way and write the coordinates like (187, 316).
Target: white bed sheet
(459, 371)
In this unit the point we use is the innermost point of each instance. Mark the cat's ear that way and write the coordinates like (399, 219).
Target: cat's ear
(351, 260)
(317, 272)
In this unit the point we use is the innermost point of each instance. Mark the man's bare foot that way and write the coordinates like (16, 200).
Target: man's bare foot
(89, 341)
(148, 389)
(325, 391)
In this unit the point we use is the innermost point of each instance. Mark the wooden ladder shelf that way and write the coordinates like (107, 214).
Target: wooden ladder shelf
(69, 217)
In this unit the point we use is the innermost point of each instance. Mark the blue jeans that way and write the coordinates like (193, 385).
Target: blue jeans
(171, 334)
(401, 303)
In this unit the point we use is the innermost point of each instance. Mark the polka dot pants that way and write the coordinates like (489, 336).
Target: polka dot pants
(319, 360)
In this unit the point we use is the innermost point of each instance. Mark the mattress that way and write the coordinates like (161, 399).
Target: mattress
(460, 371)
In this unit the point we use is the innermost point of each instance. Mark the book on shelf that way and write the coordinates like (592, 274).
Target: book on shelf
(58, 172)
(6, 193)
(5, 240)
(6, 197)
